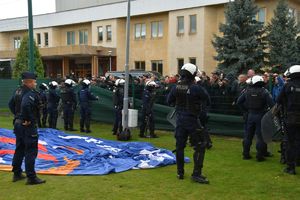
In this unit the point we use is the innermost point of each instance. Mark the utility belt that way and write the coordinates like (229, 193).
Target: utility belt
(67, 103)
(187, 112)
(20, 122)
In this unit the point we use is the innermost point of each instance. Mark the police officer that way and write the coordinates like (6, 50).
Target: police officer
(85, 97)
(43, 99)
(24, 106)
(289, 98)
(188, 97)
(69, 103)
(203, 117)
(118, 96)
(255, 101)
(53, 100)
(148, 99)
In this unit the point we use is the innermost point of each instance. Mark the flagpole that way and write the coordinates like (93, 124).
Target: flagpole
(126, 101)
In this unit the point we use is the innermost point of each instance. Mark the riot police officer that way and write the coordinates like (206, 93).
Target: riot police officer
(24, 106)
(289, 98)
(118, 96)
(255, 101)
(43, 98)
(85, 97)
(53, 100)
(148, 99)
(69, 103)
(188, 97)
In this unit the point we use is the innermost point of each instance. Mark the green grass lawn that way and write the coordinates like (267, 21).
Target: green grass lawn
(230, 177)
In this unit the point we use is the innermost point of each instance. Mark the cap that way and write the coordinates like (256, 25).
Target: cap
(28, 75)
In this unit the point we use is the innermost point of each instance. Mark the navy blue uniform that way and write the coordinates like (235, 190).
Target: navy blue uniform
(24, 105)
(44, 109)
(53, 100)
(289, 97)
(255, 101)
(118, 96)
(188, 99)
(69, 103)
(85, 97)
(148, 99)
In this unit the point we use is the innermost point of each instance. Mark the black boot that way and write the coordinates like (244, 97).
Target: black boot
(290, 170)
(180, 176)
(18, 177)
(35, 181)
(153, 135)
(82, 126)
(141, 135)
(200, 179)
(247, 157)
(71, 128)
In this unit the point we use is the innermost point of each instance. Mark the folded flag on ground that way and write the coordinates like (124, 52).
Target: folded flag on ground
(66, 154)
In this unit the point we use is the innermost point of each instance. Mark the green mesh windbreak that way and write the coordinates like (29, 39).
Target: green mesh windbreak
(103, 111)
(218, 123)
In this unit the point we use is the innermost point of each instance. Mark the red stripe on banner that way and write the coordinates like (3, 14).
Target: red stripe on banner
(7, 151)
(40, 156)
(7, 140)
(47, 157)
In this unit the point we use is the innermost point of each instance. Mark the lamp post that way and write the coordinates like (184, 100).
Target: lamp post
(109, 53)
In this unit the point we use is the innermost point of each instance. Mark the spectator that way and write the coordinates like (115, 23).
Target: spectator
(278, 85)
(250, 73)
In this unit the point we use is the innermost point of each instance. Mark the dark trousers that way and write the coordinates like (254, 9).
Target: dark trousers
(187, 126)
(44, 117)
(85, 117)
(26, 147)
(53, 115)
(293, 137)
(118, 121)
(254, 128)
(68, 116)
(147, 122)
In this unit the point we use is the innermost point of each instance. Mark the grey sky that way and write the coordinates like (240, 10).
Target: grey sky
(18, 8)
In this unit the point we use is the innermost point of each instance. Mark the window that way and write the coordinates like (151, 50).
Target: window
(180, 25)
(17, 42)
(140, 31)
(193, 61)
(156, 29)
(261, 16)
(83, 37)
(100, 34)
(180, 62)
(38, 39)
(46, 36)
(70, 38)
(108, 33)
(193, 23)
(140, 65)
(157, 66)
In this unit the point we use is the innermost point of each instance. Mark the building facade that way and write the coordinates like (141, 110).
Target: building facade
(89, 39)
